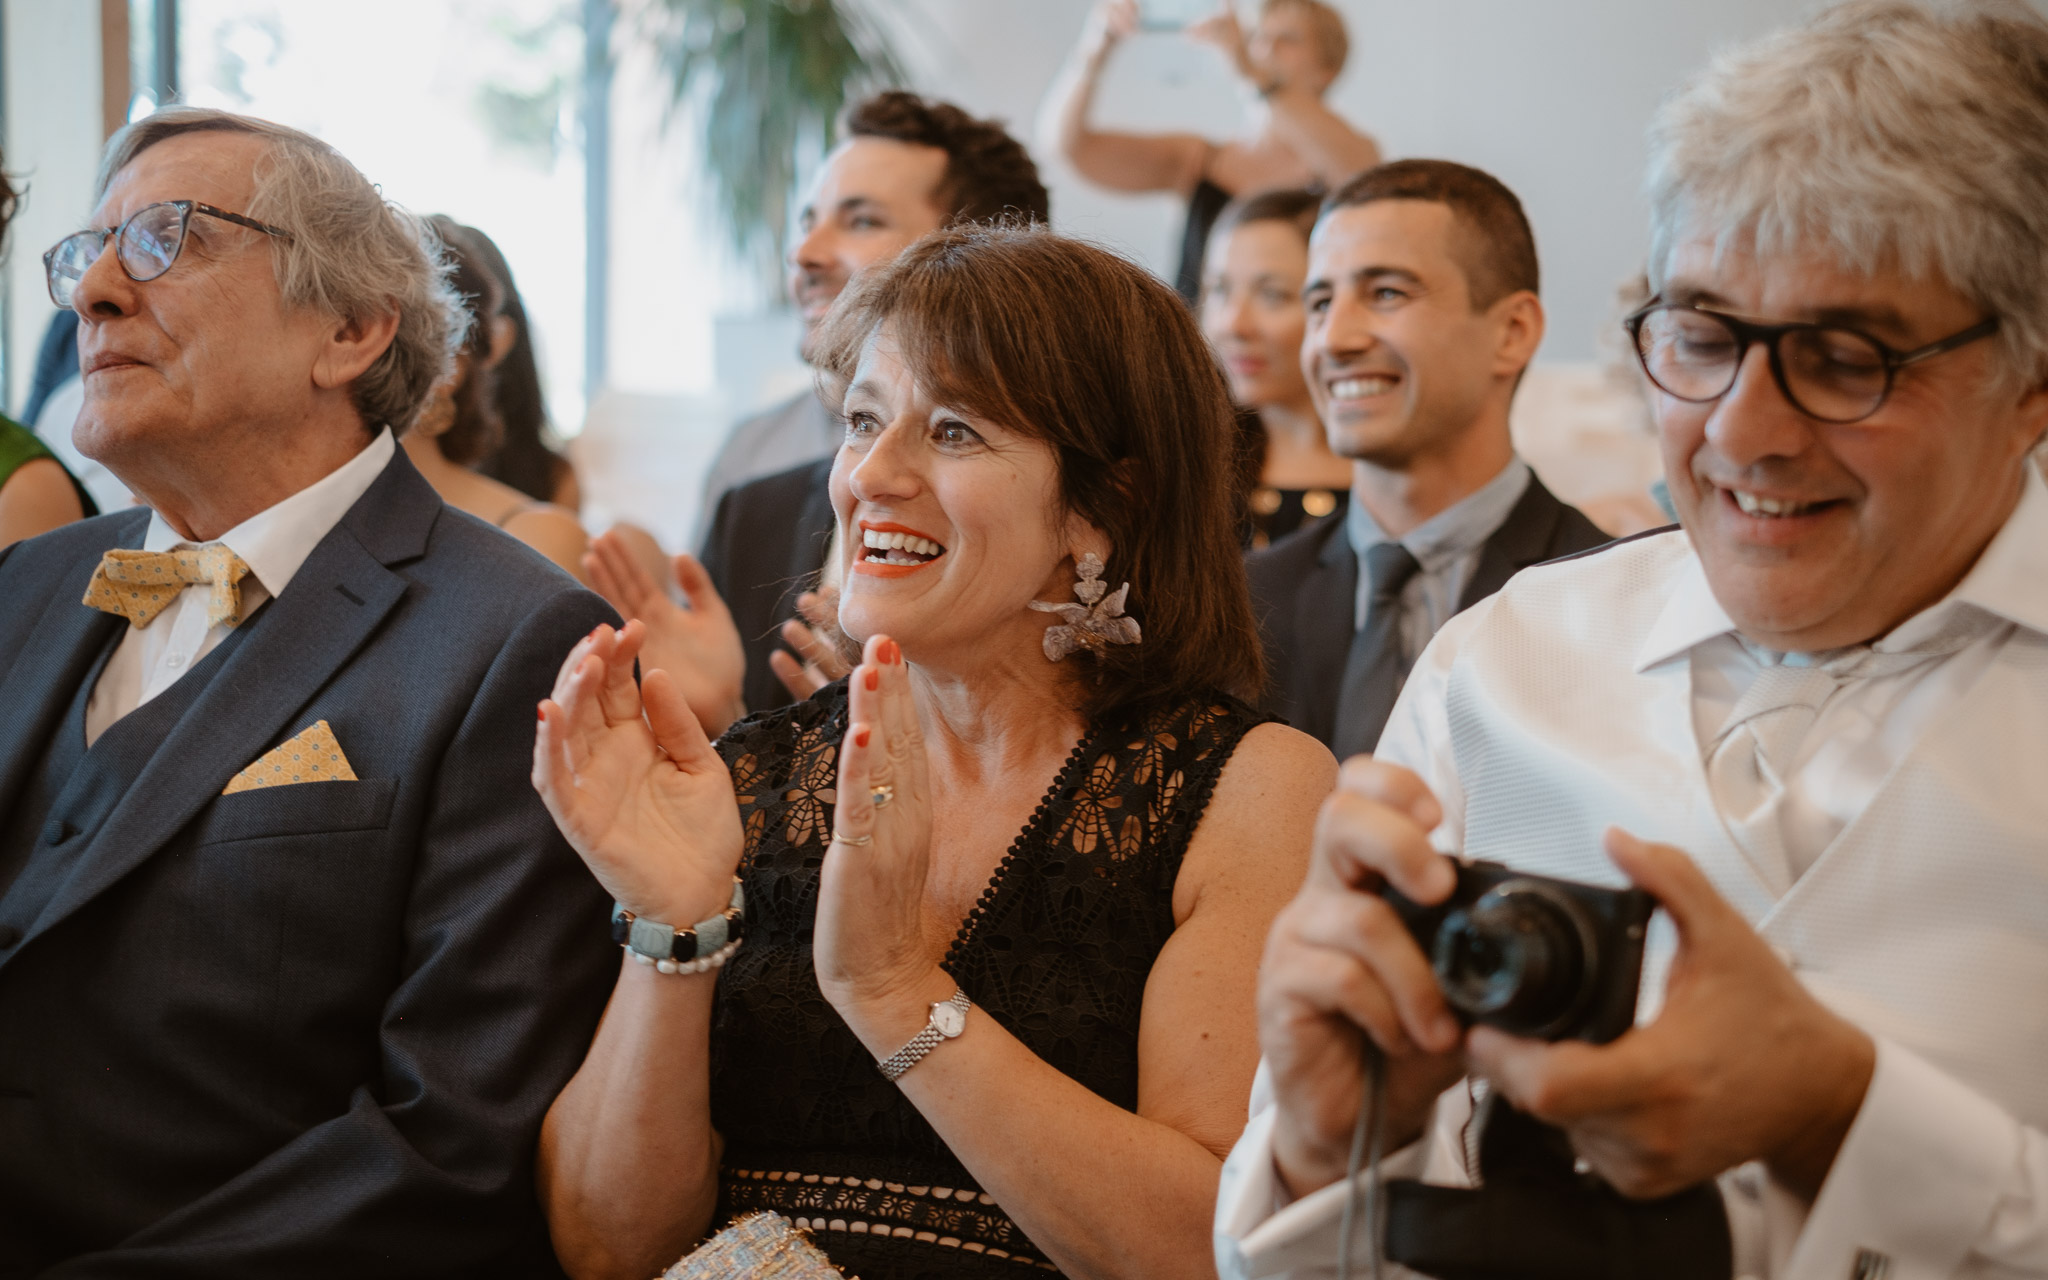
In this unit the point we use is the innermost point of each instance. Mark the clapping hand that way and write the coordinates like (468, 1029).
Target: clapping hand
(642, 797)
(814, 634)
(871, 938)
(1340, 968)
(1742, 1063)
(699, 646)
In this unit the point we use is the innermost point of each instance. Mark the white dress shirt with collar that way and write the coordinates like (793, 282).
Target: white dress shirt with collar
(1912, 897)
(274, 542)
(1448, 546)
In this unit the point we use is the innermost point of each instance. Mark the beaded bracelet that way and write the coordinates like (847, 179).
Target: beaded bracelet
(701, 964)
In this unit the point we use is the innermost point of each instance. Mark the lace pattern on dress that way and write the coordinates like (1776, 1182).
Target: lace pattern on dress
(957, 1218)
(1057, 949)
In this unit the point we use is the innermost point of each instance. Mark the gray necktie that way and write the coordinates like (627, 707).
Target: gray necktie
(1376, 667)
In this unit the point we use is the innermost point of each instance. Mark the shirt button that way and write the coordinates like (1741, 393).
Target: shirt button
(56, 831)
(174, 661)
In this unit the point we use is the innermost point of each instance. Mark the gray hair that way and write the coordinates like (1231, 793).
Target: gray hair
(352, 254)
(1887, 133)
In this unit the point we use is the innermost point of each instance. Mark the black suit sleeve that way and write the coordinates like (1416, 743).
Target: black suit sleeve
(506, 968)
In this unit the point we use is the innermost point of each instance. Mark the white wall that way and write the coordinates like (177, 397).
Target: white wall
(53, 145)
(1551, 97)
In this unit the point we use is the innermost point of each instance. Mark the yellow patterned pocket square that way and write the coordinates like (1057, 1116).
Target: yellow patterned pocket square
(312, 756)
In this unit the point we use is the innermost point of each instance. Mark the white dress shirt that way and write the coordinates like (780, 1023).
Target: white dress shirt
(1448, 546)
(274, 542)
(1912, 900)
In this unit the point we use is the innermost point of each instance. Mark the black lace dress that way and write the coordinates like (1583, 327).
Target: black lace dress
(1057, 950)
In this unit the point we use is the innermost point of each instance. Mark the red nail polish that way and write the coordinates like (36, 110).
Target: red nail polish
(892, 653)
(873, 680)
(543, 712)
(860, 739)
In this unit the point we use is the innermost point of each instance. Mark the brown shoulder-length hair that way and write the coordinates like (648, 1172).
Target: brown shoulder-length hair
(1071, 344)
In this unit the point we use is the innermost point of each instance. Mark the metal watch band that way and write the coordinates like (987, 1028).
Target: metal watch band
(893, 1066)
(658, 941)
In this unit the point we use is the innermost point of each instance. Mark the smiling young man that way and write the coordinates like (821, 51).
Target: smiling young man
(1422, 313)
(1813, 723)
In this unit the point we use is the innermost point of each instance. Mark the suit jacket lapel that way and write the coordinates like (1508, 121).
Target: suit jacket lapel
(1523, 539)
(1323, 612)
(332, 606)
(59, 655)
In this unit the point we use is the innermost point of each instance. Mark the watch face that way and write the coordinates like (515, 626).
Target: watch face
(948, 1020)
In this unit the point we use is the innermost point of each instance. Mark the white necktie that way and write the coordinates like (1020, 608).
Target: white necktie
(1750, 762)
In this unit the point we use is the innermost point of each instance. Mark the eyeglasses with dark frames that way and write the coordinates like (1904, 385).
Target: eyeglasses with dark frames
(1828, 372)
(145, 245)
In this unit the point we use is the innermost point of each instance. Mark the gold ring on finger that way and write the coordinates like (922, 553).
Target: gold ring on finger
(883, 793)
(852, 841)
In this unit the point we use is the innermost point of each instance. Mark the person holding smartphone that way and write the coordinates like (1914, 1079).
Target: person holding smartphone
(1291, 138)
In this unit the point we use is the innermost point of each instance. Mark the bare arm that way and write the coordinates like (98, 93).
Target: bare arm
(36, 499)
(555, 533)
(628, 1167)
(1324, 140)
(1103, 1191)
(1119, 161)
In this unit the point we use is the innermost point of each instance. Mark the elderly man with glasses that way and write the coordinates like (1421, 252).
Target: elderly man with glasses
(1812, 724)
(292, 960)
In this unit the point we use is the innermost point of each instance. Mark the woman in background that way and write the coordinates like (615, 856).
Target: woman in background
(460, 424)
(1253, 317)
(36, 493)
(527, 457)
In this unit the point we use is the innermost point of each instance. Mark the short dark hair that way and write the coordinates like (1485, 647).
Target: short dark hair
(1100, 359)
(989, 175)
(1292, 205)
(1498, 251)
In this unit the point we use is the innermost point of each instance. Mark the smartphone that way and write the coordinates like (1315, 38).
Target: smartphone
(1172, 15)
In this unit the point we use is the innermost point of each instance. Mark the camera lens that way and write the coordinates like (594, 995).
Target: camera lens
(1520, 958)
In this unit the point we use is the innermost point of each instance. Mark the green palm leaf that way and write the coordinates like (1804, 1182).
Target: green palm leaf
(774, 74)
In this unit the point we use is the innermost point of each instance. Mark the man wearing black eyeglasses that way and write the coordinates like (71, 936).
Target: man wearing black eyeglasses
(1813, 724)
(291, 958)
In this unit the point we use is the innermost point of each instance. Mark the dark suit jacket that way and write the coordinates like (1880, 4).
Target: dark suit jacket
(1305, 592)
(765, 546)
(306, 1030)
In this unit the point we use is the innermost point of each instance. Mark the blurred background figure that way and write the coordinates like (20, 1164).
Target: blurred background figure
(528, 456)
(1252, 314)
(37, 493)
(460, 424)
(1290, 138)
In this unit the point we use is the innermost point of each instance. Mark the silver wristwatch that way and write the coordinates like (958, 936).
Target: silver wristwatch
(948, 1020)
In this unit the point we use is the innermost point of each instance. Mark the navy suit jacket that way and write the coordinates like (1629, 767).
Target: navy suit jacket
(764, 549)
(305, 1030)
(1305, 593)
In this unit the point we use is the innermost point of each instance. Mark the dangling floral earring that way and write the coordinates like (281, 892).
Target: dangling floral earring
(1094, 624)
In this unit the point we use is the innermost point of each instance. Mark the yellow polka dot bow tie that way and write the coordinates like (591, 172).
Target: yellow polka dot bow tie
(139, 585)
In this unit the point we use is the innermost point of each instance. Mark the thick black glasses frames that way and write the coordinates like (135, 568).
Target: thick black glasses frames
(146, 245)
(1834, 374)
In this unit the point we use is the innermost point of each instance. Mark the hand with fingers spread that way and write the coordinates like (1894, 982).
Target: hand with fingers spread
(699, 646)
(1742, 1062)
(871, 946)
(1340, 966)
(814, 635)
(634, 785)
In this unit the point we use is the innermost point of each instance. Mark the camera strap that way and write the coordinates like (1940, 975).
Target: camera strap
(1536, 1218)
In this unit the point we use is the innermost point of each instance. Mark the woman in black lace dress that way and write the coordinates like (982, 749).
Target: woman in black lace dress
(1006, 885)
